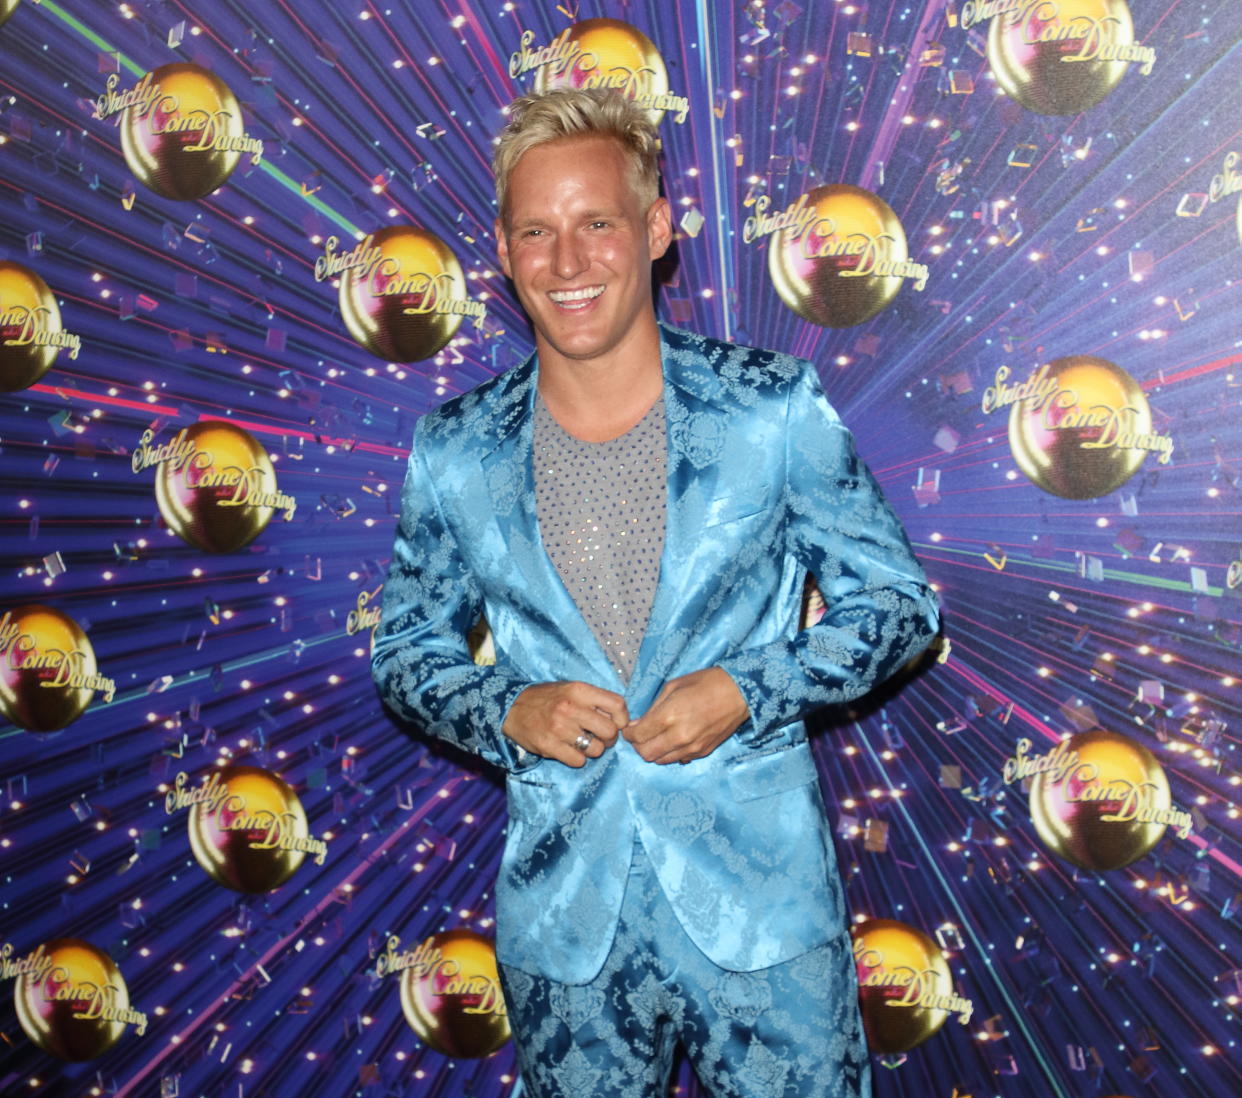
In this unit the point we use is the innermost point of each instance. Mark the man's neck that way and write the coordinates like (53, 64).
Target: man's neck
(601, 399)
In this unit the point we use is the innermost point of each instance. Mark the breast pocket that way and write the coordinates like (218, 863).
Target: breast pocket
(735, 508)
(529, 797)
(766, 773)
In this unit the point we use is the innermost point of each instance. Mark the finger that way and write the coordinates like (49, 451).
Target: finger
(611, 721)
(645, 728)
(568, 717)
(565, 753)
(613, 725)
(600, 712)
(596, 697)
(662, 716)
(669, 742)
(599, 725)
(682, 753)
(594, 748)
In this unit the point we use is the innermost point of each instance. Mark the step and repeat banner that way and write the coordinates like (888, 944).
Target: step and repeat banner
(245, 244)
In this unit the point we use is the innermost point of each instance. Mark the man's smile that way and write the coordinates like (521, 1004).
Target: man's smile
(575, 299)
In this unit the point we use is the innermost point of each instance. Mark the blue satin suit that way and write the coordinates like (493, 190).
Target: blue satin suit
(763, 486)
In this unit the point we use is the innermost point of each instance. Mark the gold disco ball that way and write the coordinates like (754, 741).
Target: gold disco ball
(180, 146)
(65, 1011)
(898, 966)
(43, 654)
(1029, 52)
(1114, 777)
(27, 309)
(398, 307)
(1062, 444)
(834, 270)
(612, 54)
(217, 500)
(454, 1004)
(252, 838)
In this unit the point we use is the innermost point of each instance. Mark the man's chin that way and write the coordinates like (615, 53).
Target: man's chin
(578, 346)
(584, 355)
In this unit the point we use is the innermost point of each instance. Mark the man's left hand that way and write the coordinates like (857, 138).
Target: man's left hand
(690, 717)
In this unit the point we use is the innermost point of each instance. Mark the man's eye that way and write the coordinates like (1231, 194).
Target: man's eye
(599, 224)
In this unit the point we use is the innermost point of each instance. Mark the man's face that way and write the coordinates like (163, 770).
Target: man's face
(578, 245)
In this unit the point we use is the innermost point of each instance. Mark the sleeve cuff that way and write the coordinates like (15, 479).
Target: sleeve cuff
(512, 756)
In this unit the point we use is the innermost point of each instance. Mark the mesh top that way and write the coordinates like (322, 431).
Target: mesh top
(601, 511)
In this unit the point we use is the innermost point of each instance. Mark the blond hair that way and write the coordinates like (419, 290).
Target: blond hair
(580, 112)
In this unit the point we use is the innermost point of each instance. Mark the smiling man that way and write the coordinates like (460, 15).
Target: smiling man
(635, 509)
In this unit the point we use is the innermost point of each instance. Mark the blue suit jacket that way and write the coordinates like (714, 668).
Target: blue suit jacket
(763, 484)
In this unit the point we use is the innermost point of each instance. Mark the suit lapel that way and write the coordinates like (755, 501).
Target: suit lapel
(697, 418)
(698, 421)
(507, 435)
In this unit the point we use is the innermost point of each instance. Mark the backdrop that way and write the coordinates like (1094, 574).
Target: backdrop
(245, 245)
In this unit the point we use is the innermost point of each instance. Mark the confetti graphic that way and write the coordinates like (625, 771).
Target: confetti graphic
(214, 267)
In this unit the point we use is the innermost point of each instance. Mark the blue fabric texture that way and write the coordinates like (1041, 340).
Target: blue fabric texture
(789, 1031)
(763, 485)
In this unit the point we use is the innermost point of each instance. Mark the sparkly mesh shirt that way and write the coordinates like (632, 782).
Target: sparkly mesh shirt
(601, 510)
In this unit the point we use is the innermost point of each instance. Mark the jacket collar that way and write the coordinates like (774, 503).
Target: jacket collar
(686, 359)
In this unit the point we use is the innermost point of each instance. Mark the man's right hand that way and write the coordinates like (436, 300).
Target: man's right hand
(548, 717)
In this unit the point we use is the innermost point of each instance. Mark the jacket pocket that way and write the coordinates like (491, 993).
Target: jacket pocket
(530, 809)
(734, 508)
(768, 772)
(529, 777)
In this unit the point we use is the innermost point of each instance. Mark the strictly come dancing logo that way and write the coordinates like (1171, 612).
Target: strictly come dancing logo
(31, 331)
(601, 53)
(214, 484)
(247, 827)
(181, 126)
(1079, 426)
(71, 999)
(905, 988)
(1098, 799)
(402, 291)
(48, 673)
(365, 616)
(837, 255)
(1058, 57)
(450, 991)
(1225, 184)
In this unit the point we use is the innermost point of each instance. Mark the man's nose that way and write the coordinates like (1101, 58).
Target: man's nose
(569, 258)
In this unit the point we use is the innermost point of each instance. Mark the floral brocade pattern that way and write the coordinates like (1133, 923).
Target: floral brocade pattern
(763, 485)
(789, 1031)
(601, 509)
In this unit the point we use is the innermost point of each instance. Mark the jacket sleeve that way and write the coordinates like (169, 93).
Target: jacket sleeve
(420, 659)
(879, 609)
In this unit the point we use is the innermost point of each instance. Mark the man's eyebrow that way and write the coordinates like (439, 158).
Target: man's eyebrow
(602, 212)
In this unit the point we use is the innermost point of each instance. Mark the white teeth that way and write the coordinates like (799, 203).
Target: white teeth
(568, 297)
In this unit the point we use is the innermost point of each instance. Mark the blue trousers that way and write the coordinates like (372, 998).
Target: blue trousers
(789, 1031)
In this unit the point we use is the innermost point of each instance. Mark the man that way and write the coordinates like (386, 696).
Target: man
(635, 509)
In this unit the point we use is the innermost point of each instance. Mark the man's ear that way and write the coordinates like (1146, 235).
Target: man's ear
(502, 247)
(659, 227)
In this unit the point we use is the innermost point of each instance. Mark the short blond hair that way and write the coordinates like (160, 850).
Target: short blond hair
(580, 112)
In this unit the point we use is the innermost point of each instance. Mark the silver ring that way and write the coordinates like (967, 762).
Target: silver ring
(583, 741)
